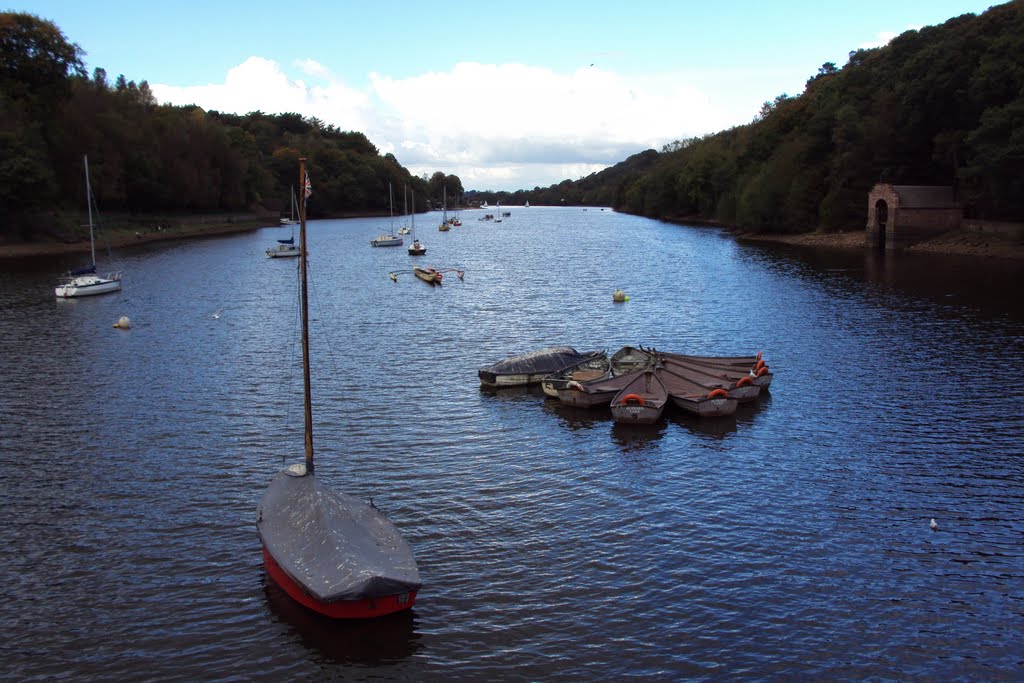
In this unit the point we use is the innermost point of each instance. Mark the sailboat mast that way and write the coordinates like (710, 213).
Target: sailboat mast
(307, 394)
(88, 202)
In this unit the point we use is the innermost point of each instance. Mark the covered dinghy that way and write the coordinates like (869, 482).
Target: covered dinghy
(532, 367)
(332, 552)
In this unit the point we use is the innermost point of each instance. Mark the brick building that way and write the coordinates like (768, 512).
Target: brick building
(899, 215)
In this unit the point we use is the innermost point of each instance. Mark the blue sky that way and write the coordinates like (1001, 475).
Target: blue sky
(505, 95)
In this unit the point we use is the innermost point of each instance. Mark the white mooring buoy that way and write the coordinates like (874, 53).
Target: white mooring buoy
(123, 323)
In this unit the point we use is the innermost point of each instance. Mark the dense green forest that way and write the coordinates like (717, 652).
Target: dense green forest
(153, 159)
(942, 105)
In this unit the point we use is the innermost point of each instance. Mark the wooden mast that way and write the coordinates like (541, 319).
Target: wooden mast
(308, 400)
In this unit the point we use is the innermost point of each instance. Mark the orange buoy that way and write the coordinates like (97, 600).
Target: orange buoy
(718, 393)
(744, 381)
(635, 399)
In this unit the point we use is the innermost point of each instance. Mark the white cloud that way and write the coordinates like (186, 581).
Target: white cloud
(885, 37)
(313, 68)
(507, 126)
(259, 84)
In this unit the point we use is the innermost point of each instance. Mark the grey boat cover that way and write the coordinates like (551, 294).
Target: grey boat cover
(544, 361)
(333, 544)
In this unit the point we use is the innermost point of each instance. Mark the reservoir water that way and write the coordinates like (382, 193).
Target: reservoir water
(789, 542)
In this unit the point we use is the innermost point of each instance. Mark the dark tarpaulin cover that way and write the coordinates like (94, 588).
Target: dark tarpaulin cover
(84, 270)
(547, 360)
(290, 240)
(333, 544)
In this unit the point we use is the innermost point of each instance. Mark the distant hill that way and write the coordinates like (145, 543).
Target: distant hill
(150, 160)
(942, 105)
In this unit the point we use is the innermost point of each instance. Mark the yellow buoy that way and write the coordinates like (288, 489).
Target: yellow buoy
(124, 323)
(619, 295)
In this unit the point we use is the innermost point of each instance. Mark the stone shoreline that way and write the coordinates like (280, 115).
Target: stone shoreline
(960, 243)
(122, 239)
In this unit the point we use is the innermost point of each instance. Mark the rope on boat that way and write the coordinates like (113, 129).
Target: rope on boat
(292, 378)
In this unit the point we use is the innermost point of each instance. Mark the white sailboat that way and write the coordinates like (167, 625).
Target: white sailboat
(291, 217)
(404, 230)
(388, 239)
(456, 221)
(286, 248)
(417, 248)
(445, 226)
(84, 281)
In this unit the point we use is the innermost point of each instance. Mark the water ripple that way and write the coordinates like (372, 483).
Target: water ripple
(789, 541)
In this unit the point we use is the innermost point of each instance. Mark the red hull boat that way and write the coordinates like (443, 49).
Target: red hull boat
(328, 550)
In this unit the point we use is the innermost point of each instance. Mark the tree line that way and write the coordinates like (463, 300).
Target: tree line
(147, 158)
(943, 105)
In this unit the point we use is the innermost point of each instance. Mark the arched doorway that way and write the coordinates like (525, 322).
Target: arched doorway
(881, 220)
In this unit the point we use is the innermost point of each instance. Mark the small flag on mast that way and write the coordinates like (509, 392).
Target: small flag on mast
(308, 190)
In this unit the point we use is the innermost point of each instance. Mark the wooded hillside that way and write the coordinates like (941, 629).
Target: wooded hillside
(943, 105)
(147, 158)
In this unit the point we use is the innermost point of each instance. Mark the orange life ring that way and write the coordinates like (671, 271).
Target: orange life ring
(634, 398)
(762, 371)
(758, 365)
(718, 393)
(743, 381)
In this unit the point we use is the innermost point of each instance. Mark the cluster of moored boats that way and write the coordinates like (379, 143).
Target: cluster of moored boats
(637, 383)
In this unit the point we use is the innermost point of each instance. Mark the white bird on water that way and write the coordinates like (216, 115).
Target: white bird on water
(933, 524)
(216, 314)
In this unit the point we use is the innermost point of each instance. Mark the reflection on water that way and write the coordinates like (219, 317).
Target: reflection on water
(637, 438)
(790, 540)
(717, 427)
(985, 284)
(574, 417)
(368, 642)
